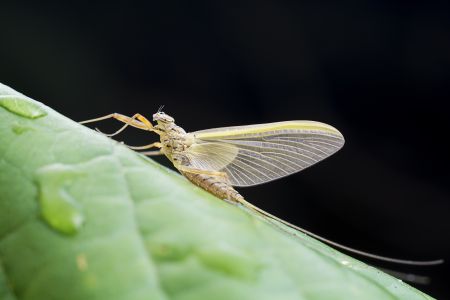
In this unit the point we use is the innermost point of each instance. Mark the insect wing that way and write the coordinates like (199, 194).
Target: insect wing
(256, 154)
(210, 156)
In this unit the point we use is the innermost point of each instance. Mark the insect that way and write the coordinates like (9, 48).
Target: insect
(220, 159)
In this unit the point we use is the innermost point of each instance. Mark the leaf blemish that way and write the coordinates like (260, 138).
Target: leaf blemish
(82, 262)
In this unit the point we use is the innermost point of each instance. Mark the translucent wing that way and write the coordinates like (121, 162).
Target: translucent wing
(212, 156)
(256, 154)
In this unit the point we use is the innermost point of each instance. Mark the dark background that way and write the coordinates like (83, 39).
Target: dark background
(376, 70)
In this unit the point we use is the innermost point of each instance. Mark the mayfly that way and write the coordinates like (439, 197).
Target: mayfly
(222, 158)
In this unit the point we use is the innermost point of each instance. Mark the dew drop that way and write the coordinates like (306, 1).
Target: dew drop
(22, 106)
(58, 207)
(229, 261)
(345, 263)
(19, 129)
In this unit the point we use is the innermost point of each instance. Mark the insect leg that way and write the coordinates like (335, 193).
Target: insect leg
(152, 145)
(98, 119)
(141, 122)
(152, 153)
(144, 120)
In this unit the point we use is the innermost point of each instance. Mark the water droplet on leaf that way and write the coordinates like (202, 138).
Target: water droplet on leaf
(22, 106)
(230, 261)
(19, 129)
(58, 207)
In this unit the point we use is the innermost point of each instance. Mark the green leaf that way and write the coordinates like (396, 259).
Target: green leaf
(83, 217)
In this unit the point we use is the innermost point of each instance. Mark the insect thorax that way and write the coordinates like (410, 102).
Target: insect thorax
(174, 138)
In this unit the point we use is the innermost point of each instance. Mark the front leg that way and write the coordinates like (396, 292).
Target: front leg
(137, 120)
(152, 145)
(152, 153)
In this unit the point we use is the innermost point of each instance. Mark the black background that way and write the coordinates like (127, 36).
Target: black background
(376, 70)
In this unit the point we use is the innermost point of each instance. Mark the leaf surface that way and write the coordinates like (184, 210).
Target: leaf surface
(83, 217)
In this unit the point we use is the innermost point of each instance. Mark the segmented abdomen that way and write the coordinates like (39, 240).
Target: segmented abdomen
(215, 185)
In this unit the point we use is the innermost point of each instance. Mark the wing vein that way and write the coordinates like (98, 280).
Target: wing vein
(267, 161)
(240, 159)
(242, 173)
(262, 154)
